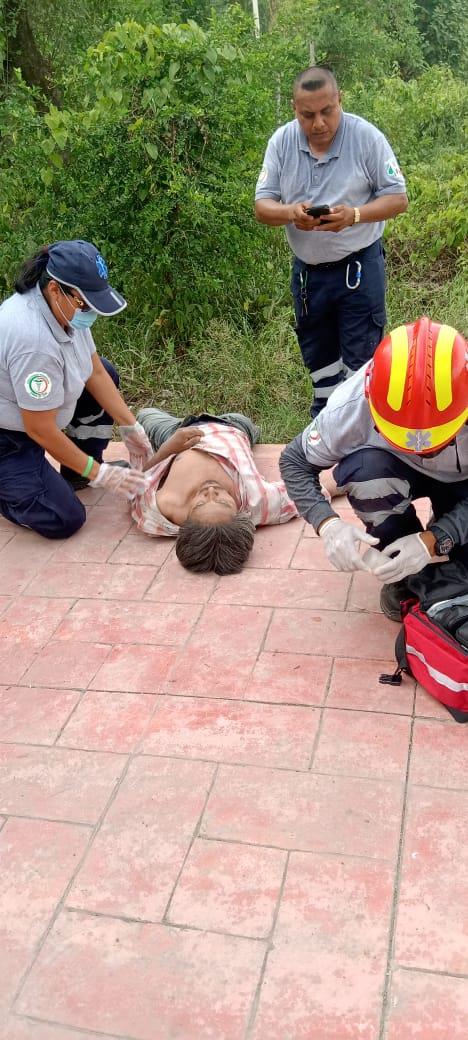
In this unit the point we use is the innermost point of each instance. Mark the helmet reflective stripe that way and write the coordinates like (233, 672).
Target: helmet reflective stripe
(407, 440)
(443, 367)
(399, 367)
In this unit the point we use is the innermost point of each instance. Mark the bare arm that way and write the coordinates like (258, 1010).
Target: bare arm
(276, 214)
(384, 208)
(183, 439)
(268, 211)
(42, 428)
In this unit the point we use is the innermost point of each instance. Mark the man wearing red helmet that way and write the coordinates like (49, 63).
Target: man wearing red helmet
(398, 431)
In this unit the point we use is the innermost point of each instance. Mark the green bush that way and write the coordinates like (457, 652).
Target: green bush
(154, 156)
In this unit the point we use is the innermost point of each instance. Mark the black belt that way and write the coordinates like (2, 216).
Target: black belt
(344, 259)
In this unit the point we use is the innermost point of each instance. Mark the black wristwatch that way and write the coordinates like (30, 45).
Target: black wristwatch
(444, 542)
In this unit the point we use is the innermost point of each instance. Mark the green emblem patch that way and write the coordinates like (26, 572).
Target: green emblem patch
(38, 385)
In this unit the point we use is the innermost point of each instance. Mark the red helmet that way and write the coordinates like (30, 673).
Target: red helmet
(417, 386)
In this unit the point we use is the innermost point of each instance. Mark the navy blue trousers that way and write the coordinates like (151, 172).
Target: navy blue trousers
(338, 327)
(32, 493)
(381, 489)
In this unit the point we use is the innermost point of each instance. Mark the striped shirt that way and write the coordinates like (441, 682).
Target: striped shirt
(266, 501)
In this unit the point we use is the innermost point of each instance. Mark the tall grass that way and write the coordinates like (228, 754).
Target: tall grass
(232, 366)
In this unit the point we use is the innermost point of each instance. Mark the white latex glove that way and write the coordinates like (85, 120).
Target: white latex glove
(138, 444)
(373, 558)
(341, 542)
(407, 555)
(126, 482)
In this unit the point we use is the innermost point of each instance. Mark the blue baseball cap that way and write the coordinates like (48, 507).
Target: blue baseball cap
(80, 265)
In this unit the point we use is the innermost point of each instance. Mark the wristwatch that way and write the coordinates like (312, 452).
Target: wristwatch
(444, 542)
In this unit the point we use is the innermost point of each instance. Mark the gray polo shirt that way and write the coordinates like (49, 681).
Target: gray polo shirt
(359, 167)
(42, 367)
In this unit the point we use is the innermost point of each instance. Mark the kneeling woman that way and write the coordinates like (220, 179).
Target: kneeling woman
(57, 395)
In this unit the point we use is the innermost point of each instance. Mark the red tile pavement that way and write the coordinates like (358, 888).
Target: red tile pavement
(274, 546)
(175, 585)
(427, 707)
(14, 662)
(23, 1029)
(108, 721)
(355, 684)
(332, 632)
(220, 655)
(144, 979)
(230, 731)
(31, 621)
(93, 542)
(427, 1007)
(135, 669)
(432, 927)
(132, 622)
(135, 860)
(139, 549)
(313, 813)
(56, 783)
(364, 593)
(289, 678)
(69, 664)
(206, 831)
(102, 580)
(358, 744)
(275, 588)
(37, 861)
(34, 715)
(439, 757)
(229, 888)
(324, 976)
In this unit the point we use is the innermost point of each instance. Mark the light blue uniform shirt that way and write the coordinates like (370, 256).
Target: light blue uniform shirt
(42, 367)
(360, 166)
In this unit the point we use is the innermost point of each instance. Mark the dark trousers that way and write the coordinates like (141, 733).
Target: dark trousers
(32, 493)
(381, 489)
(338, 327)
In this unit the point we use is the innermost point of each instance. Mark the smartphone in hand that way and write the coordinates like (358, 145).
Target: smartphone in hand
(317, 211)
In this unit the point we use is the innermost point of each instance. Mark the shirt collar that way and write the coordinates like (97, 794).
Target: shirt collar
(56, 329)
(335, 147)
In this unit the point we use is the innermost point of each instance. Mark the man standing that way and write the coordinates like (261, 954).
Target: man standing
(329, 158)
(398, 431)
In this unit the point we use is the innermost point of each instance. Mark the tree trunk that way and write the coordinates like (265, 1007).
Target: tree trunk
(21, 51)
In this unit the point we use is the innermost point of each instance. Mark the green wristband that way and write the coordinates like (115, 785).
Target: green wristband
(88, 467)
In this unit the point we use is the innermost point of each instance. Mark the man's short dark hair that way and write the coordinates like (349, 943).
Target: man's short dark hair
(315, 78)
(222, 548)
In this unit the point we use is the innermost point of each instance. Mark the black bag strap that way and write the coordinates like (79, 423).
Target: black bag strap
(402, 661)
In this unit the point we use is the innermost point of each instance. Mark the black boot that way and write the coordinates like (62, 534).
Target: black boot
(391, 598)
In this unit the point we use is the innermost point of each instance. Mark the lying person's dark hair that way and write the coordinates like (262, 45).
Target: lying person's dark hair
(222, 548)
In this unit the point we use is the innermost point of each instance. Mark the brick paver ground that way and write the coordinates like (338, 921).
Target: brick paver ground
(215, 824)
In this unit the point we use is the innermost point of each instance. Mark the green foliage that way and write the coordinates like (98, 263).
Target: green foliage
(444, 26)
(359, 41)
(423, 118)
(154, 155)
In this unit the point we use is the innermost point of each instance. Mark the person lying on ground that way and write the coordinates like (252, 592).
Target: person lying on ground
(204, 489)
(398, 431)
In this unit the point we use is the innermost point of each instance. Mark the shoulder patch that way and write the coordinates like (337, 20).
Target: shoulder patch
(38, 385)
(313, 436)
(392, 167)
(263, 175)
